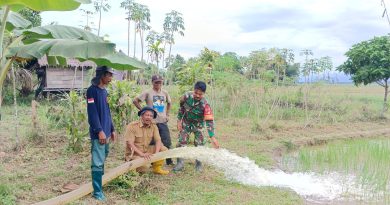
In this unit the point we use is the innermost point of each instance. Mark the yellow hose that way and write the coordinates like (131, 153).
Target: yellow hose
(112, 174)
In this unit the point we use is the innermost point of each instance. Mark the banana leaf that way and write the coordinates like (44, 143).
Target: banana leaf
(15, 21)
(102, 53)
(44, 5)
(58, 32)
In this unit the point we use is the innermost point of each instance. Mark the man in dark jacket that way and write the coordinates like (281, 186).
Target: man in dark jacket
(101, 127)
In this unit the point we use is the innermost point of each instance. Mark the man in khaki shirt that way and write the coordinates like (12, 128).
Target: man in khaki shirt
(143, 140)
(160, 100)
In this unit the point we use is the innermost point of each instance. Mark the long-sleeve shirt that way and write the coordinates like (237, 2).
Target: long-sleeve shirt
(99, 114)
(196, 112)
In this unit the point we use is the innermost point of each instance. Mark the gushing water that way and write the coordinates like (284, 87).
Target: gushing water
(245, 171)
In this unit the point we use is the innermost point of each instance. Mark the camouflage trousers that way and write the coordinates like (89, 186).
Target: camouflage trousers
(184, 135)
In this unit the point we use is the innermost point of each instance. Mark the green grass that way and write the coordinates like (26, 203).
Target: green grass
(368, 159)
(249, 122)
(6, 195)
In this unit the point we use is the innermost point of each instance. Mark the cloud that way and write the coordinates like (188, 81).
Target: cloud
(329, 27)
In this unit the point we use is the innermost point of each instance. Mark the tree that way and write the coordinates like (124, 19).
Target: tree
(142, 28)
(207, 57)
(128, 6)
(173, 23)
(140, 16)
(276, 63)
(292, 71)
(88, 23)
(55, 41)
(229, 62)
(177, 65)
(155, 51)
(369, 62)
(165, 38)
(193, 71)
(99, 6)
(151, 38)
(256, 63)
(33, 16)
(10, 21)
(288, 57)
(326, 66)
(306, 65)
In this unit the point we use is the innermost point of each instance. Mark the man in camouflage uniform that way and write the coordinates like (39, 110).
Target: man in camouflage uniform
(194, 113)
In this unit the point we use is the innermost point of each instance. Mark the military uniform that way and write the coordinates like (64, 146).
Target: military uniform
(194, 114)
(143, 137)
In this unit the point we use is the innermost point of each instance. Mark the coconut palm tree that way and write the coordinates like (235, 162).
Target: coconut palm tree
(152, 37)
(155, 52)
(173, 23)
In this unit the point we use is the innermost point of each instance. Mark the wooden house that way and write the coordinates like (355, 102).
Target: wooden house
(75, 75)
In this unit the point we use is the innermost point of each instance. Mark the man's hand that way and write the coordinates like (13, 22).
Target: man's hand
(147, 156)
(179, 126)
(102, 137)
(214, 142)
(113, 136)
(167, 117)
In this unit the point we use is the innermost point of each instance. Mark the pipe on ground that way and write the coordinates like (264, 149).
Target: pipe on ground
(85, 189)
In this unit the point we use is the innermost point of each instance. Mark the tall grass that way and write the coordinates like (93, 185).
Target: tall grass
(312, 104)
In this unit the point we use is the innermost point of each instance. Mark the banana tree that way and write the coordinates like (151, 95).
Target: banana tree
(10, 22)
(55, 41)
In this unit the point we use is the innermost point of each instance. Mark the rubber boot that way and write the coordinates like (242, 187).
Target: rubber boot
(179, 166)
(198, 166)
(169, 161)
(157, 168)
(97, 185)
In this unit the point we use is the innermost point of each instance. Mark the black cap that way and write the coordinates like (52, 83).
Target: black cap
(103, 69)
(147, 108)
(157, 78)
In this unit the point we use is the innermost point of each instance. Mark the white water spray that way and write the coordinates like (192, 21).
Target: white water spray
(245, 171)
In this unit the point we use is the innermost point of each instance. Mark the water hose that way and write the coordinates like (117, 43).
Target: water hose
(85, 189)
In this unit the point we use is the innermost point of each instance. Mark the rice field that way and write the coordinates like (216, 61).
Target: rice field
(366, 160)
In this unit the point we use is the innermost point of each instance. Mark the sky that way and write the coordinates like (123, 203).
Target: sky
(328, 28)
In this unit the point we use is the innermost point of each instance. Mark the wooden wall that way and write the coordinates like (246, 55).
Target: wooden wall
(60, 78)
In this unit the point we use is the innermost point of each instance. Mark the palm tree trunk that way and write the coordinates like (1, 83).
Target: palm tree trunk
(128, 37)
(169, 55)
(157, 62)
(128, 73)
(170, 49)
(142, 44)
(135, 37)
(163, 55)
(100, 16)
